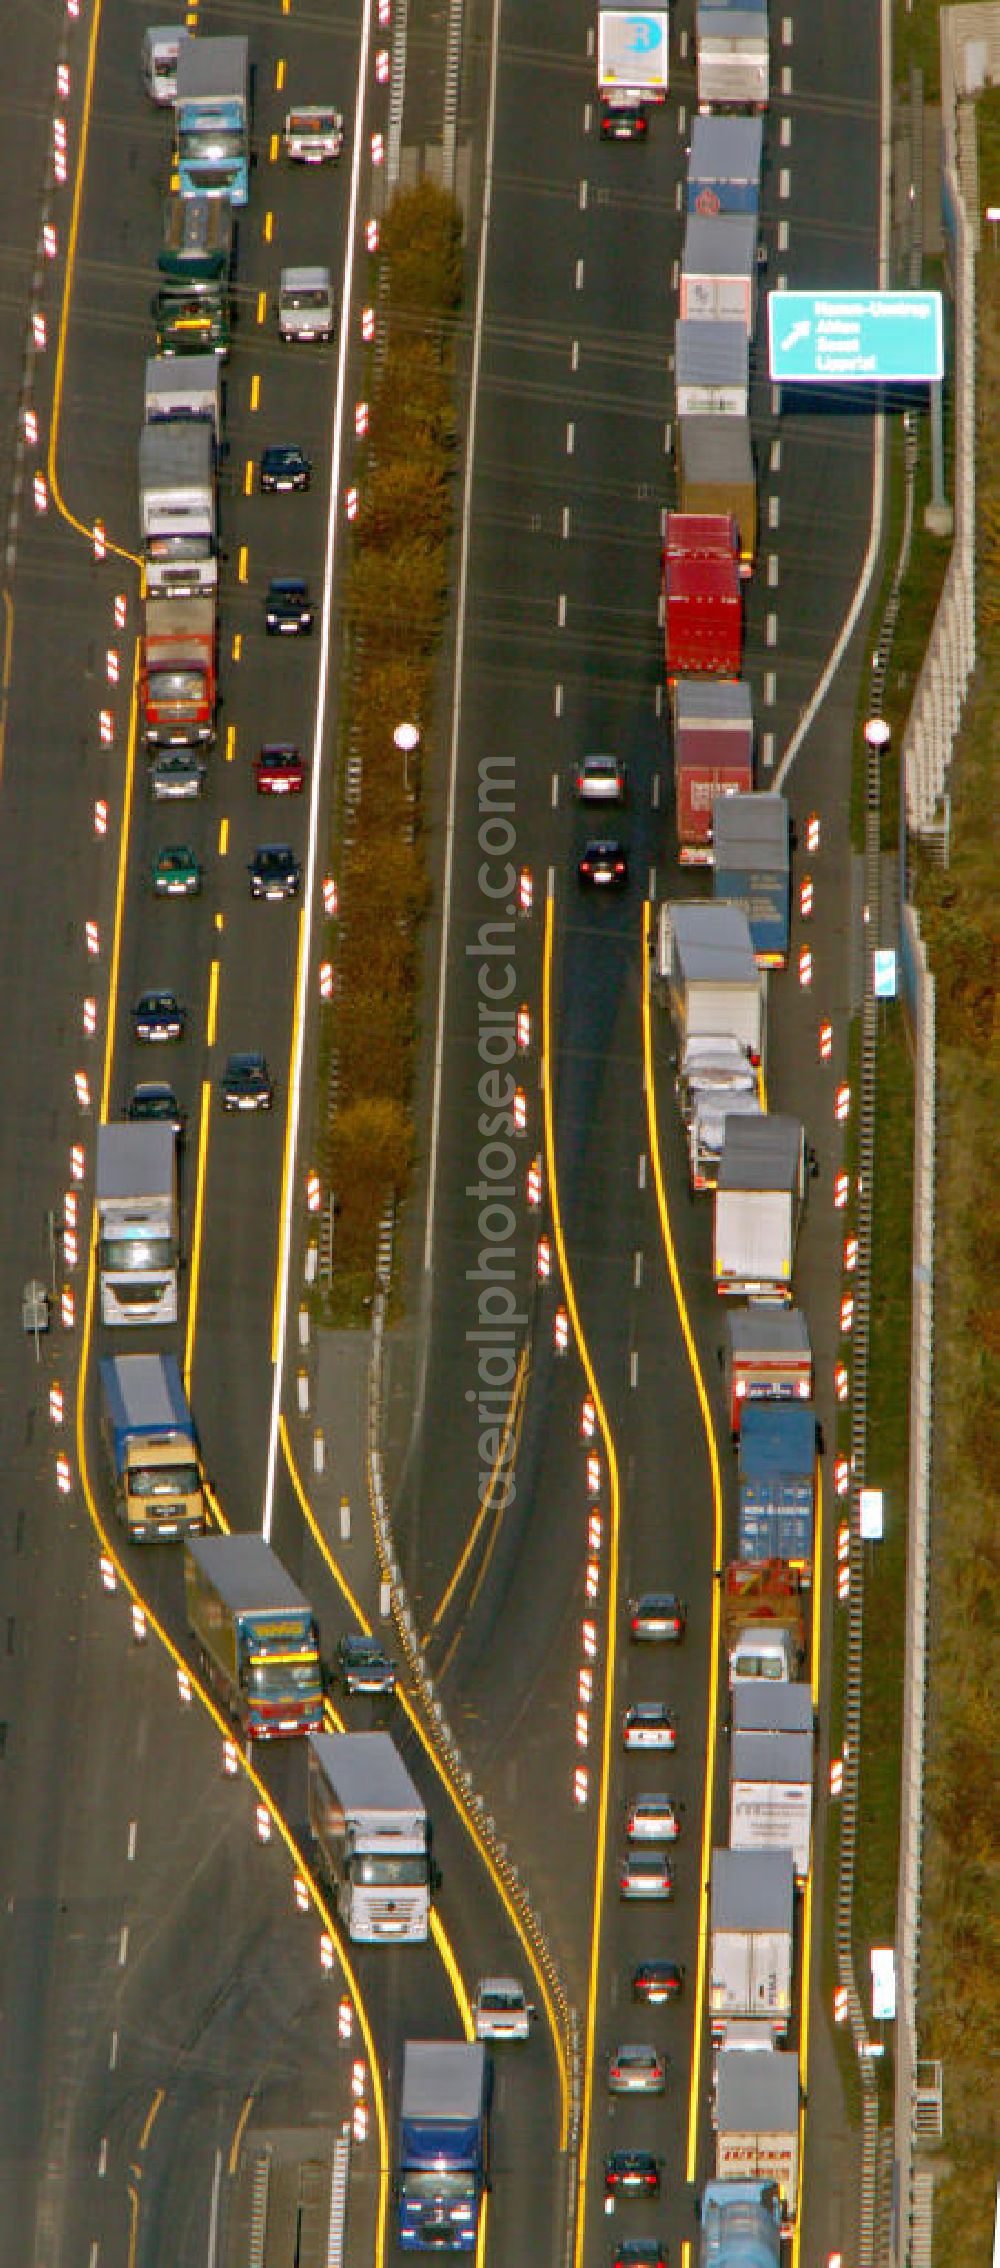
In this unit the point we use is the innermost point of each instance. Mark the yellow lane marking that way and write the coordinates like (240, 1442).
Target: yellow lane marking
(268, 227)
(230, 742)
(8, 649)
(604, 1428)
(213, 1003)
(514, 1405)
(237, 645)
(255, 391)
(261, 306)
(248, 477)
(279, 74)
(151, 2114)
(116, 934)
(223, 837)
(272, 149)
(298, 996)
(666, 1234)
(456, 1795)
(194, 1278)
(238, 2132)
(447, 1956)
(133, 2221)
(244, 558)
(55, 488)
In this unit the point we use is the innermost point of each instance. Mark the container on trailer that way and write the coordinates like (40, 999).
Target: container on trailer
(711, 368)
(715, 473)
(718, 280)
(752, 868)
(703, 615)
(777, 1484)
(723, 168)
(713, 757)
(757, 2122)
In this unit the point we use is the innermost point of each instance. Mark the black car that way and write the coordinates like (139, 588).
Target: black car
(284, 467)
(631, 2173)
(288, 607)
(247, 1083)
(639, 2252)
(604, 865)
(624, 118)
(158, 1016)
(275, 872)
(362, 1667)
(154, 1102)
(657, 1982)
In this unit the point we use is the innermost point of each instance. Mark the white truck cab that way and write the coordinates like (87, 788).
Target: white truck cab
(314, 134)
(160, 48)
(305, 304)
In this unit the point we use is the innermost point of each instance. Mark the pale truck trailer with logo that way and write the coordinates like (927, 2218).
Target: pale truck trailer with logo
(756, 2116)
(751, 1945)
(371, 1831)
(177, 482)
(138, 1223)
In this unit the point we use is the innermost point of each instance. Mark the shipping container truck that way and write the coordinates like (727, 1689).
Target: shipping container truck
(177, 679)
(713, 757)
(256, 1635)
(732, 48)
(138, 1226)
(702, 615)
(443, 2164)
(757, 2122)
(763, 1627)
(372, 1834)
(152, 1448)
(752, 1898)
(711, 369)
(740, 2225)
(777, 1484)
(771, 1796)
(212, 119)
(633, 69)
(759, 1201)
(177, 498)
(715, 473)
(710, 978)
(184, 390)
(718, 280)
(753, 869)
(723, 168)
(768, 1358)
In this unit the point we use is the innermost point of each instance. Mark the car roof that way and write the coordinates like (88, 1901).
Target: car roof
(246, 1063)
(647, 1709)
(284, 449)
(287, 583)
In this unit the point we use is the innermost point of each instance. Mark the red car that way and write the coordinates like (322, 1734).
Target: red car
(279, 770)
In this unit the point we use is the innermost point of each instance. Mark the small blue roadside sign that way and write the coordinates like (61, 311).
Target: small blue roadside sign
(839, 338)
(884, 984)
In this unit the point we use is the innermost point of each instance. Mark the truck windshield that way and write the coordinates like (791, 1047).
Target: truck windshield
(213, 144)
(179, 547)
(271, 1681)
(439, 2188)
(389, 1873)
(134, 1255)
(760, 1665)
(163, 1480)
(304, 300)
(176, 687)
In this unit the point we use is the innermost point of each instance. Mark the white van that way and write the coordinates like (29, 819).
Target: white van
(160, 48)
(305, 303)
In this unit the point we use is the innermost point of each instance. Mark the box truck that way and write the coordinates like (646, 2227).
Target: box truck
(759, 1201)
(713, 758)
(723, 168)
(443, 2161)
(757, 2122)
(752, 868)
(152, 1448)
(771, 1795)
(711, 369)
(138, 1225)
(750, 1944)
(372, 1835)
(767, 1358)
(256, 1635)
(715, 473)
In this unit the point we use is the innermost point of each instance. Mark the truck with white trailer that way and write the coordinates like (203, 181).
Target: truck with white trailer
(184, 388)
(711, 368)
(708, 974)
(733, 55)
(633, 68)
(759, 1201)
(138, 1223)
(751, 1911)
(757, 2100)
(152, 1448)
(718, 280)
(177, 499)
(372, 1834)
(771, 1795)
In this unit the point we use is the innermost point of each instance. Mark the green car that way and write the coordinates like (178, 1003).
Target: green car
(176, 872)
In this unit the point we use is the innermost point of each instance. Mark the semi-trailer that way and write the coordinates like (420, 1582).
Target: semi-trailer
(752, 868)
(711, 368)
(443, 2160)
(757, 2122)
(256, 1635)
(777, 1484)
(713, 758)
(752, 1896)
(759, 1200)
(152, 1448)
(715, 472)
(371, 1831)
(771, 1795)
(138, 1226)
(709, 976)
(718, 275)
(723, 168)
(733, 59)
(702, 615)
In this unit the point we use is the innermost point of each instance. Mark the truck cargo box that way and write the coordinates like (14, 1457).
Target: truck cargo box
(758, 1210)
(752, 844)
(757, 2122)
(732, 48)
(718, 281)
(771, 1795)
(751, 1912)
(777, 1483)
(713, 984)
(713, 757)
(625, 60)
(724, 162)
(715, 473)
(711, 369)
(765, 1708)
(703, 615)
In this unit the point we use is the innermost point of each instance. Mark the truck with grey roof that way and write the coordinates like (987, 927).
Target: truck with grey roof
(372, 1834)
(751, 1952)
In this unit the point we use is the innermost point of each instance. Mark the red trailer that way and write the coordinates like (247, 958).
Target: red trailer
(713, 756)
(703, 616)
(701, 535)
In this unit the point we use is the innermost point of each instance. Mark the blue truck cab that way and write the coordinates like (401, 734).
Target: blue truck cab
(740, 2225)
(443, 2166)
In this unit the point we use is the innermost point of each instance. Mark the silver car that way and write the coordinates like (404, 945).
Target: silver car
(653, 1819)
(649, 1724)
(600, 779)
(634, 2070)
(645, 1874)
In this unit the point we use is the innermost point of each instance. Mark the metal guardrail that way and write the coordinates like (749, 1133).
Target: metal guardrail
(441, 1736)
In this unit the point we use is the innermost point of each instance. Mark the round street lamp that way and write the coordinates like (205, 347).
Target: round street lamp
(406, 738)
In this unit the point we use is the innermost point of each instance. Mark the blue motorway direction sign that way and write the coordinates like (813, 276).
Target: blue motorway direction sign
(838, 337)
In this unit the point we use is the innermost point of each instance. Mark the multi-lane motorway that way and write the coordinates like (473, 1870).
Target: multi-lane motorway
(159, 1988)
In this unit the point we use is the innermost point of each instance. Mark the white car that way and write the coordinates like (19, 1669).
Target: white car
(500, 2010)
(652, 1819)
(306, 305)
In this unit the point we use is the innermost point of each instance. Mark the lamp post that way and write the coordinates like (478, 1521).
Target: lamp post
(407, 739)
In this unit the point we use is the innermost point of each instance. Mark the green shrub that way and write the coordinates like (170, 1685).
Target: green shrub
(421, 237)
(395, 602)
(400, 498)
